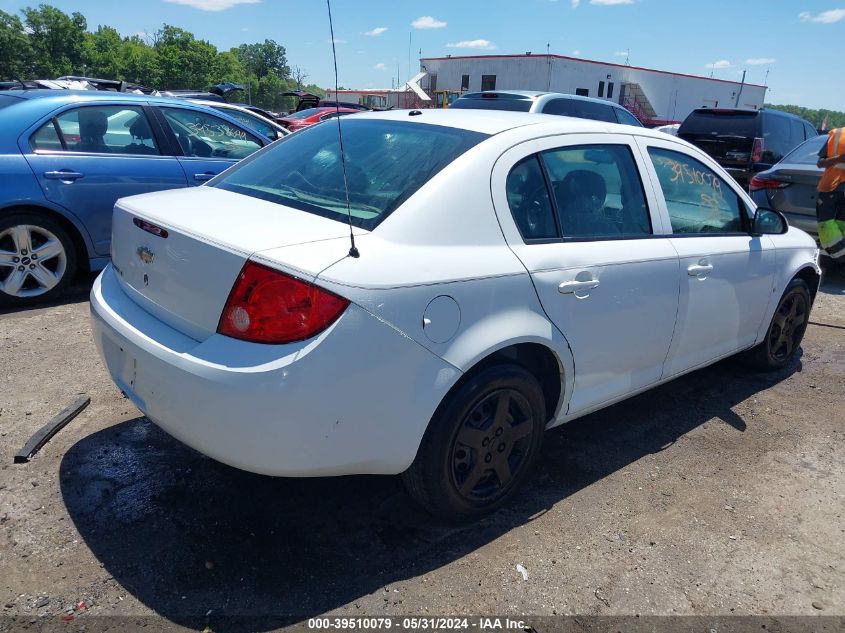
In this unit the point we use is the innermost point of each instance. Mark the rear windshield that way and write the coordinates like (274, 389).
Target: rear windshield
(6, 100)
(511, 105)
(715, 123)
(386, 162)
(304, 113)
(807, 153)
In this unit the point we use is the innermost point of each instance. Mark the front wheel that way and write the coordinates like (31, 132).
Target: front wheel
(37, 259)
(786, 330)
(480, 444)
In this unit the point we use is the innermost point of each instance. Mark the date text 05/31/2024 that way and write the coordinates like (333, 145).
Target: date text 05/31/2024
(409, 623)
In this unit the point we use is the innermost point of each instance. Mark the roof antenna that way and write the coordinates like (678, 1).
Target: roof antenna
(353, 251)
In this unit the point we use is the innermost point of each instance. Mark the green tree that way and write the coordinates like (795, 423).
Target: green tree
(183, 60)
(816, 117)
(57, 41)
(15, 49)
(103, 53)
(140, 62)
(261, 59)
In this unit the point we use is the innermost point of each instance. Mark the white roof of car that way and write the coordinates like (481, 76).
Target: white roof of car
(496, 121)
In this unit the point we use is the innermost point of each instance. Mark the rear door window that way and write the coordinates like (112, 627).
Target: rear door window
(529, 201)
(626, 118)
(698, 201)
(777, 137)
(251, 120)
(597, 191)
(98, 130)
(807, 153)
(203, 135)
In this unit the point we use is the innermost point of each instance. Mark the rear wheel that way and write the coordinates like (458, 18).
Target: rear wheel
(783, 338)
(37, 259)
(480, 444)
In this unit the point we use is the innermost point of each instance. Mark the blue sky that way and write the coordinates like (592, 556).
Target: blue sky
(798, 41)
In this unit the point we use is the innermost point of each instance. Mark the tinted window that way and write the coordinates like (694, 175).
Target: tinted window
(464, 82)
(707, 122)
(46, 138)
(626, 117)
(698, 200)
(101, 130)
(488, 82)
(810, 131)
(528, 199)
(580, 109)
(807, 153)
(386, 162)
(511, 105)
(776, 137)
(206, 136)
(597, 191)
(250, 120)
(796, 129)
(304, 113)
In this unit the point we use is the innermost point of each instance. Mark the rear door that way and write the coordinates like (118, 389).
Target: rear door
(586, 231)
(86, 157)
(208, 144)
(726, 274)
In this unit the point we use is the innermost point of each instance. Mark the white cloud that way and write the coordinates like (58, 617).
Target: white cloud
(376, 31)
(608, 3)
(427, 22)
(336, 40)
(575, 3)
(212, 5)
(825, 17)
(621, 53)
(576, 52)
(380, 66)
(760, 61)
(482, 45)
(722, 63)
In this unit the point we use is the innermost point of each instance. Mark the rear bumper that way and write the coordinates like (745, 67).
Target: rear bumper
(355, 399)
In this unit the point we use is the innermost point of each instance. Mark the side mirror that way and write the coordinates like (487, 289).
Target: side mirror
(768, 222)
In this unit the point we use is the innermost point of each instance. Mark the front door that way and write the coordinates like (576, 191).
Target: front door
(592, 243)
(725, 274)
(85, 158)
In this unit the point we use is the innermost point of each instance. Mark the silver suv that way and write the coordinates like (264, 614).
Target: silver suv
(547, 103)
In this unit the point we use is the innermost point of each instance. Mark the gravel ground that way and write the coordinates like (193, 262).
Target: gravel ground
(720, 493)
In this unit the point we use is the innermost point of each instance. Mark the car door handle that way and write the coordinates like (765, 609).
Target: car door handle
(63, 174)
(203, 177)
(699, 269)
(568, 287)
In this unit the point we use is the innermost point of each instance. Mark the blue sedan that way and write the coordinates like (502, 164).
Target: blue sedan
(67, 156)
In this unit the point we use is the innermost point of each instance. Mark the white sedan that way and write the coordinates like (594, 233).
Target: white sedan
(516, 271)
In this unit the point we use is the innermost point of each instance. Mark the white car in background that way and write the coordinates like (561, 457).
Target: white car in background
(516, 271)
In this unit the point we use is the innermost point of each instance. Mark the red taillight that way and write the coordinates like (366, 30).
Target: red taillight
(757, 150)
(268, 306)
(766, 183)
(150, 228)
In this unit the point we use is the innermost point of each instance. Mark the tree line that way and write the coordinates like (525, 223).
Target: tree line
(816, 117)
(45, 43)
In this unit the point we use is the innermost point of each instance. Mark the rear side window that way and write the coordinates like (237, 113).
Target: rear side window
(98, 130)
(203, 135)
(698, 200)
(529, 201)
(250, 120)
(597, 191)
(626, 118)
(777, 137)
(580, 109)
(386, 162)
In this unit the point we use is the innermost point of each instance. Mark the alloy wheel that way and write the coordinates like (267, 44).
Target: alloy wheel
(787, 326)
(32, 261)
(492, 445)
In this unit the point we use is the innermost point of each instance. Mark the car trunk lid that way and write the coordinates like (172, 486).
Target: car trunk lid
(177, 254)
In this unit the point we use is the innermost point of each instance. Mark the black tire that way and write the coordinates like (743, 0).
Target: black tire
(786, 330)
(62, 265)
(488, 429)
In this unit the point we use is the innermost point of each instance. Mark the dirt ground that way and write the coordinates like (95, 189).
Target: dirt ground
(720, 493)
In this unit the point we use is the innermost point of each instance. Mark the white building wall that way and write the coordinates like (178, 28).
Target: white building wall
(673, 96)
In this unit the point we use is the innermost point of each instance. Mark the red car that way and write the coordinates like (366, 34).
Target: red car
(306, 118)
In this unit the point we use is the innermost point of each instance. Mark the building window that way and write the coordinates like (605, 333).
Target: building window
(610, 90)
(601, 89)
(488, 82)
(432, 83)
(582, 92)
(464, 82)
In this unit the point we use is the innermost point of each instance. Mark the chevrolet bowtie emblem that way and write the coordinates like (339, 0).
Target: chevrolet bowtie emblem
(146, 255)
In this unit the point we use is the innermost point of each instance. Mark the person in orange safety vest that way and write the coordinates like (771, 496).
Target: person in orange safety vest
(830, 202)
